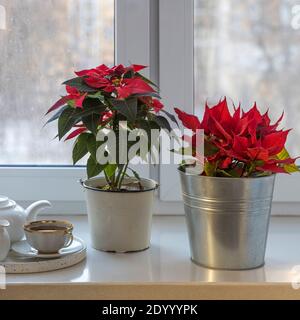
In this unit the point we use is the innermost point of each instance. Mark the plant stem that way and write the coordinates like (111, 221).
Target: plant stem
(107, 179)
(122, 175)
(119, 175)
(243, 170)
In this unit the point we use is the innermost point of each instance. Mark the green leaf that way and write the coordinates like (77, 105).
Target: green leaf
(136, 175)
(257, 163)
(210, 168)
(90, 106)
(93, 167)
(128, 74)
(228, 173)
(92, 122)
(66, 121)
(57, 114)
(110, 169)
(148, 125)
(289, 168)
(162, 122)
(127, 108)
(209, 148)
(71, 103)
(97, 95)
(91, 103)
(283, 154)
(80, 147)
(90, 114)
(93, 145)
(171, 116)
(79, 84)
(90, 110)
(223, 173)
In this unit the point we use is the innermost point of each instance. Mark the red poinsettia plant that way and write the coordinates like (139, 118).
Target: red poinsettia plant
(240, 144)
(100, 98)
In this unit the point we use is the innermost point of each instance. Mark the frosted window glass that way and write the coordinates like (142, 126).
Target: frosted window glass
(41, 43)
(250, 51)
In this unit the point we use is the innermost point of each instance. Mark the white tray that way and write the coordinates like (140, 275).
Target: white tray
(17, 264)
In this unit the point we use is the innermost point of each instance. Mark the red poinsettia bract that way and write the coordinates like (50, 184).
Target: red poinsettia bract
(113, 80)
(118, 82)
(94, 97)
(240, 143)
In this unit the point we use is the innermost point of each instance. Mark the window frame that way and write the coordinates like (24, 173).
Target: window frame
(164, 41)
(59, 184)
(177, 88)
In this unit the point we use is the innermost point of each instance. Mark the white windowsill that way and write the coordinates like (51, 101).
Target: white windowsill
(165, 265)
(62, 188)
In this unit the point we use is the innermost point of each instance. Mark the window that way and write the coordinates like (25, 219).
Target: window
(38, 52)
(246, 50)
(249, 51)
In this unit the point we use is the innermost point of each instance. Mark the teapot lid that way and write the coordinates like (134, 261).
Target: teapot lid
(4, 223)
(5, 202)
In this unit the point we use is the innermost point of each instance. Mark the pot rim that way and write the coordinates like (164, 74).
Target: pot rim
(82, 182)
(224, 178)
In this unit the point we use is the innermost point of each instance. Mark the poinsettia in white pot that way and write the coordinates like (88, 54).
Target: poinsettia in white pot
(101, 105)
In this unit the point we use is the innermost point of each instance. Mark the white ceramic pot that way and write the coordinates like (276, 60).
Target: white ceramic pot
(4, 240)
(119, 221)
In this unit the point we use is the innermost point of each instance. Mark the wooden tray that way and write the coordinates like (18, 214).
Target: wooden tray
(17, 264)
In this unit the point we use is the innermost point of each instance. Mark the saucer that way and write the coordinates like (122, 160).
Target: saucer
(23, 248)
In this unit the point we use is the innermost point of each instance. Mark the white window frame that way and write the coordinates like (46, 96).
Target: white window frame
(157, 33)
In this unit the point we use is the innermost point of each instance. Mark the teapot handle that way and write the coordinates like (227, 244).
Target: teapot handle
(33, 210)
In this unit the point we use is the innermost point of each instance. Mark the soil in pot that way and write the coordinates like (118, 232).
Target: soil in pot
(129, 186)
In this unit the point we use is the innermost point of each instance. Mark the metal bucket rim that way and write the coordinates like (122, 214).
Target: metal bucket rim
(223, 178)
(83, 183)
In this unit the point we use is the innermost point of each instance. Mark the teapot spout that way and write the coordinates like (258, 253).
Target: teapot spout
(33, 210)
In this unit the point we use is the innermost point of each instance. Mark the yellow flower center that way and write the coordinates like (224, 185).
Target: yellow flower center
(116, 82)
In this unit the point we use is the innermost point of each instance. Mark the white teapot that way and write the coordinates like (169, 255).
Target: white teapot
(17, 216)
(4, 239)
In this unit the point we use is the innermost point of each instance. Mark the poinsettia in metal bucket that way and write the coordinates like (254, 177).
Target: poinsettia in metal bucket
(228, 203)
(108, 111)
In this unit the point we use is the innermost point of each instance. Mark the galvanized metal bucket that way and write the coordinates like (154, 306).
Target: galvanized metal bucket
(227, 219)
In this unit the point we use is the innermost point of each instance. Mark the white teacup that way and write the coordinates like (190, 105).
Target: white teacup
(49, 236)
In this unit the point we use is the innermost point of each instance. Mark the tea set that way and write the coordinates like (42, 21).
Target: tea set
(25, 236)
